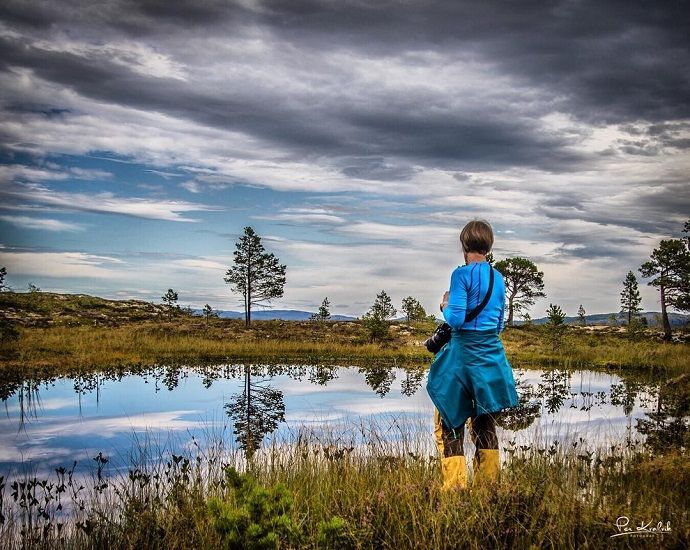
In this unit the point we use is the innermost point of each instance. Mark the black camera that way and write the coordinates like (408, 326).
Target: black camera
(439, 338)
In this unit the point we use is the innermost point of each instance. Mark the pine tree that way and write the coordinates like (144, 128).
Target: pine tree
(170, 301)
(555, 314)
(556, 325)
(324, 311)
(669, 270)
(412, 309)
(682, 302)
(375, 318)
(630, 297)
(582, 314)
(524, 282)
(256, 274)
(3, 274)
(209, 313)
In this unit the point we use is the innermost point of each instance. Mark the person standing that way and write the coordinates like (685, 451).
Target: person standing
(471, 378)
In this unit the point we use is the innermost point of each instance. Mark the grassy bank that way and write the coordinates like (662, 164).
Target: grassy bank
(323, 492)
(186, 340)
(64, 331)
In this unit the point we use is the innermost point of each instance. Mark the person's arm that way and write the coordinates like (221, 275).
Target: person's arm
(501, 317)
(454, 312)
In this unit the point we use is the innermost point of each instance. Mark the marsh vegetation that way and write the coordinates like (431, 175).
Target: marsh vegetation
(584, 449)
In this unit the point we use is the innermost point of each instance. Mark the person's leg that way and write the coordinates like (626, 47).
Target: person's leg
(486, 461)
(438, 431)
(450, 444)
(453, 441)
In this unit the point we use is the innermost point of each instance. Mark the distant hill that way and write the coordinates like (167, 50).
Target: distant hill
(284, 314)
(676, 319)
(48, 308)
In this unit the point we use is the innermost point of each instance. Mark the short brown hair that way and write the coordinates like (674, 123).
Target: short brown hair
(477, 236)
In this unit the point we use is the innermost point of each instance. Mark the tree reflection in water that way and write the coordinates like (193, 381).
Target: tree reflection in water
(259, 409)
(554, 388)
(413, 379)
(527, 411)
(323, 374)
(379, 378)
(669, 425)
(256, 412)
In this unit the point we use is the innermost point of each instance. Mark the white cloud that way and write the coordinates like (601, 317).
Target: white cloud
(42, 223)
(108, 202)
(48, 171)
(62, 264)
(136, 56)
(201, 264)
(307, 216)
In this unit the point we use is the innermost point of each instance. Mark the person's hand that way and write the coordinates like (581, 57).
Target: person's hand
(444, 301)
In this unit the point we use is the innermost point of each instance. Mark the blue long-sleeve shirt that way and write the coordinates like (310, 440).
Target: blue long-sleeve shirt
(468, 285)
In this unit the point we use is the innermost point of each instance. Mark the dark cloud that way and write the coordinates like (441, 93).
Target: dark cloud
(658, 136)
(611, 61)
(668, 202)
(651, 209)
(573, 247)
(471, 140)
(134, 17)
(599, 61)
(448, 138)
(376, 168)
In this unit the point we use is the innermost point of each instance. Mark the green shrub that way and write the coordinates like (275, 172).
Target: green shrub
(635, 328)
(253, 516)
(8, 332)
(334, 533)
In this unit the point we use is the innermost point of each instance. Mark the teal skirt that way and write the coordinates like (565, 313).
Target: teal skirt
(470, 376)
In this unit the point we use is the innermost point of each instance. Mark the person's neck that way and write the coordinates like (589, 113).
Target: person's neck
(472, 257)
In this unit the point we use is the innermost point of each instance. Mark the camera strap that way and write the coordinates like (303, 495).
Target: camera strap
(477, 310)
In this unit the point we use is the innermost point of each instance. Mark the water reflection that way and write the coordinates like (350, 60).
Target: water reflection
(52, 419)
(667, 425)
(256, 411)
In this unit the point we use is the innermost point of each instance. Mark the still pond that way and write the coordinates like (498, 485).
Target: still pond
(47, 423)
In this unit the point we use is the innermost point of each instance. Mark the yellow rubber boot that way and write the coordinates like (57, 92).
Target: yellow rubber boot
(488, 467)
(454, 470)
(438, 431)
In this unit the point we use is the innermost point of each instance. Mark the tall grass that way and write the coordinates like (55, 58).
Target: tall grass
(97, 346)
(148, 343)
(367, 486)
(608, 348)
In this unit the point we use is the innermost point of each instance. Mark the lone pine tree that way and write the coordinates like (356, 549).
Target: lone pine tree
(256, 274)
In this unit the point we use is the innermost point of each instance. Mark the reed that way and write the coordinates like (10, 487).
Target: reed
(372, 485)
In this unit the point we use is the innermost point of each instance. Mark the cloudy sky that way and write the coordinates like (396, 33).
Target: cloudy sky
(139, 138)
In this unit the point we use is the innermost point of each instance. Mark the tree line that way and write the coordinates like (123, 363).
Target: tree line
(259, 277)
(668, 269)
